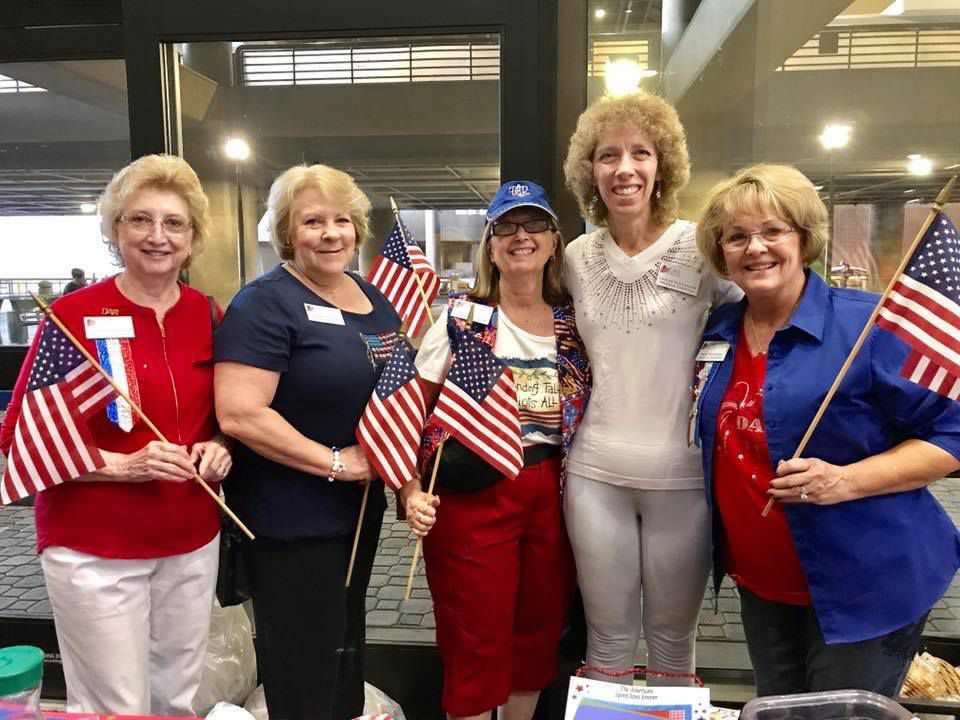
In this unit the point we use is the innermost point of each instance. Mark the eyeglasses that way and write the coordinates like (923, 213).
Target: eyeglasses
(741, 239)
(143, 223)
(537, 225)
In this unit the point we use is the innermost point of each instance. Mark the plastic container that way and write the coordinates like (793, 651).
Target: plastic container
(21, 675)
(833, 705)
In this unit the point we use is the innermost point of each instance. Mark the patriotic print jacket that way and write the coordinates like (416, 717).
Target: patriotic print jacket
(876, 564)
(573, 371)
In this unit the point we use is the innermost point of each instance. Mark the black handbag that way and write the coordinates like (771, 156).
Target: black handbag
(233, 578)
(462, 470)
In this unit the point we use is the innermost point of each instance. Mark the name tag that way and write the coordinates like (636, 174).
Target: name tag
(713, 351)
(105, 327)
(481, 313)
(324, 314)
(682, 278)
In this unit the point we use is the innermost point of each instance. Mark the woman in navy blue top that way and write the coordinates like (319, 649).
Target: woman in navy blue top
(298, 354)
(836, 583)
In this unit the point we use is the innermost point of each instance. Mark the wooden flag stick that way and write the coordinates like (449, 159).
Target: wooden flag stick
(416, 276)
(416, 550)
(938, 204)
(356, 535)
(156, 431)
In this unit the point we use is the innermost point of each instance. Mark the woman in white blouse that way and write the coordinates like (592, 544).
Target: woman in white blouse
(635, 506)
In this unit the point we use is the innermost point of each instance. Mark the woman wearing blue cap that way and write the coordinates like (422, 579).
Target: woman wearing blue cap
(497, 557)
(635, 506)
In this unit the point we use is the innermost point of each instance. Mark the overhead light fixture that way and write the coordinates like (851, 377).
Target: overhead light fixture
(818, 187)
(624, 75)
(919, 164)
(237, 149)
(952, 167)
(599, 13)
(894, 8)
(909, 191)
(627, 11)
(88, 207)
(835, 136)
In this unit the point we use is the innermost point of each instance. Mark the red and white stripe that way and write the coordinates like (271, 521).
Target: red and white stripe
(491, 429)
(52, 443)
(389, 432)
(925, 320)
(923, 371)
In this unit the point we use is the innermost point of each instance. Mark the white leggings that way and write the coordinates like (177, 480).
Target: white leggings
(624, 539)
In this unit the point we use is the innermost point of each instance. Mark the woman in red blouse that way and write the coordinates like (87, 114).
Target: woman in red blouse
(129, 552)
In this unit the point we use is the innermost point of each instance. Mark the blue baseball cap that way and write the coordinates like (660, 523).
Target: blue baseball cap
(519, 193)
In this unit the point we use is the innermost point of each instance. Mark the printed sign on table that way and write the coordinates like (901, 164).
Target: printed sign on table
(599, 700)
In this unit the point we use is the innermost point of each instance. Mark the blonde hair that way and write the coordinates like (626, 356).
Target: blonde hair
(655, 118)
(487, 285)
(782, 189)
(160, 172)
(335, 185)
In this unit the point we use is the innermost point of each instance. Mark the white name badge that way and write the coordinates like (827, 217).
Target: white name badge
(713, 351)
(324, 314)
(104, 327)
(481, 313)
(682, 278)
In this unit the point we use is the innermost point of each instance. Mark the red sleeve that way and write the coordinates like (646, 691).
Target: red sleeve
(13, 409)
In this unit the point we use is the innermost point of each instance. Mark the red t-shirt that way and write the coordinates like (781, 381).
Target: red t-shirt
(760, 552)
(172, 368)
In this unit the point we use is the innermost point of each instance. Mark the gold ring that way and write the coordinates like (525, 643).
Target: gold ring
(803, 495)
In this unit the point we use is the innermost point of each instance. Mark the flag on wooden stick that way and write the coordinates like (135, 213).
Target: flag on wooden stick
(52, 442)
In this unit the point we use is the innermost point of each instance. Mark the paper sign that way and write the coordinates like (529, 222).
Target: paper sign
(682, 278)
(105, 327)
(324, 314)
(599, 700)
(481, 313)
(713, 351)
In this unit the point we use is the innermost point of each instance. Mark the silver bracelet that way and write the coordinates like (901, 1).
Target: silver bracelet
(337, 465)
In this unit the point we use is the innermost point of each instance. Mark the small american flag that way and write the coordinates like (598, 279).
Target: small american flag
(390, 427)
(51, 442)
(923, 310)
(395, 273)
(478, 404)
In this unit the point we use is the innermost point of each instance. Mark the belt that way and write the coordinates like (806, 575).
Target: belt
(533, 454)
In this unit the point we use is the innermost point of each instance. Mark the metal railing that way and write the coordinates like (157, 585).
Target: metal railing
(368, 61)
(878, 46)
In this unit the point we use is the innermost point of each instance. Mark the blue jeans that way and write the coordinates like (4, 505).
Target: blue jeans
(789, 654)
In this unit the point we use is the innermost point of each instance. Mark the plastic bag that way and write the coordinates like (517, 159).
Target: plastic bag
(256, 704)
(230, 667)
(375, 703)
(226, 711)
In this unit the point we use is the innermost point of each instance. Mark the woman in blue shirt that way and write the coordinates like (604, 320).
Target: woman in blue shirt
(298, 353)
(836, 583)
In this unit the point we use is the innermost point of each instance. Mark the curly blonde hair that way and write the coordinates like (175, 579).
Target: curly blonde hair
(782, 189)
(159, 172)
(335, 185)
(655, 118)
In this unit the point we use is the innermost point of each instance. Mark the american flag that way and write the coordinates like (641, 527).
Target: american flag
(923, 310)
(478, 405)
(51, 442)
(390, 427)
(393, 274)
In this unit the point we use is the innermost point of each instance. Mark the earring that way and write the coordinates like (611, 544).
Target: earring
(658, 191)
(595, 201)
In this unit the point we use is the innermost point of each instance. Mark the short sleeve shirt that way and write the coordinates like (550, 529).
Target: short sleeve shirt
(327, 373)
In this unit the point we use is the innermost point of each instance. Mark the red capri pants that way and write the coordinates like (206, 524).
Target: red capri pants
(501, 573)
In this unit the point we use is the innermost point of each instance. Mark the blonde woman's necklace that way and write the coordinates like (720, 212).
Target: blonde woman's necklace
(758, 346)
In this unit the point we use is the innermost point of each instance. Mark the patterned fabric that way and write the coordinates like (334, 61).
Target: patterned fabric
(573, 370)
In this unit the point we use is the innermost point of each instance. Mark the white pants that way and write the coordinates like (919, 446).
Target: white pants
(624, 540)
(132, 633)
